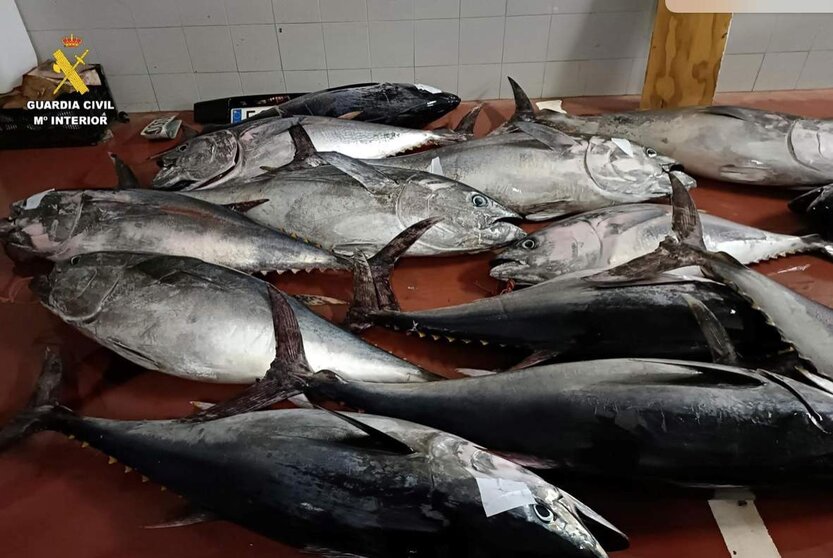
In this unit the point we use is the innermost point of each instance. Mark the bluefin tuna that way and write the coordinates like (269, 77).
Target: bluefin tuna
(196, 320)
(347, 206)
(543, 173)
(240, 152)
(670, 421)
(338, 484)
(805, 325)
(603, 239)
(412, 105)
(733, 144)
(59, 225)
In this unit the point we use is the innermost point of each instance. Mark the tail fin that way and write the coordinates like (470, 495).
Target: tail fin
(125, 175)
(40, 407)
(684, 247)
(371, 277)
(466, 125)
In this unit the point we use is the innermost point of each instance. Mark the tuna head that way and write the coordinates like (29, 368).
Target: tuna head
(76, 289)
(419, 104)
(498, 505)
(470, 220)
(197, 161)
(566, 247)
(41, 224)
(626, 172)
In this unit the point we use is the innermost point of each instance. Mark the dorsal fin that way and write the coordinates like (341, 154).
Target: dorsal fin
(305, 157)
(383, 440)
(556, 140)
(374, 181)
(126, 177)
(466, 124)
(524, 110)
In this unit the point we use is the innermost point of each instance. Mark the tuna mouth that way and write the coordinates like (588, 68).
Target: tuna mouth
(41, 286)
(506, 231)
(6, 228)
(504, 269)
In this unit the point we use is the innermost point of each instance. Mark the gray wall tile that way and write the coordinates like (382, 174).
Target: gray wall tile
(780, 70)
(256, 47)
(739, 71)
(302, 46)
(481, 40)
(436, 41)
(165, 50)
(347, 45)
(391, 44)
(262, 83)
(210, 49)
(301, 81)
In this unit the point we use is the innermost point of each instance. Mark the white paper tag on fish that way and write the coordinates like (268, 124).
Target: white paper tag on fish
(428, 88)
(500, 495)
(553, 105)
(436, 166)
(33, 202)
(624, 145)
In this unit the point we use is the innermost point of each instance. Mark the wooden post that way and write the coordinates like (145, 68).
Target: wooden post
(686, 52)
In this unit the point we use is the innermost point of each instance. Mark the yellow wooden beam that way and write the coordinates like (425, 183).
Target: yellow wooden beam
(686, 52)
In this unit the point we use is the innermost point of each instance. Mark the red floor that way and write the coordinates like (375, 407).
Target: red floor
(56, 496)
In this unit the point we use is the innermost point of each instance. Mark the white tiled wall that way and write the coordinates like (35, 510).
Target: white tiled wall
(167, 54)
(767, 52)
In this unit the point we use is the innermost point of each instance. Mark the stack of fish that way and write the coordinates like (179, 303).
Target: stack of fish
(715, 358)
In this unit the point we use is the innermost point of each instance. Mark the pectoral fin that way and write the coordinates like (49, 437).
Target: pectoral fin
(285, 377)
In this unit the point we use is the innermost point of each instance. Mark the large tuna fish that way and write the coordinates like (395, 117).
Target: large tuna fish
(348, 206)
(576, 320)
(602, 239)
(59, 225)
(197, 320)
(241, 151)
(674, 421)
(734, 144)
(543, 173)
(412, 105)
(804, 324)
(339, 484)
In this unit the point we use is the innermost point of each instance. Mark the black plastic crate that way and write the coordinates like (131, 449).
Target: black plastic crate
(18, 130)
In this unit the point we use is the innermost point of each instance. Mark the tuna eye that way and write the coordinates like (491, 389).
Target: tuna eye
(74, 260)
(479, 201)
(528, 244)
(651, 152)
(182, 147)
(543, 513)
